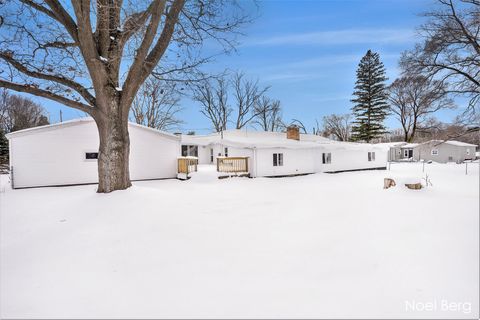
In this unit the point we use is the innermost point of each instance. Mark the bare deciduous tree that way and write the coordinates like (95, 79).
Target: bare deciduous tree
(413, 99)
(299, 124)
(247, 94)
(94, 57)
(337, 125)
(157, 105)
(18, 113)
(268, 114)
(451, 49)
(213, 96)
(457, 130)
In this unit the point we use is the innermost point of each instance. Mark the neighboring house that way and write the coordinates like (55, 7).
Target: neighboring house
(402, 151)
(435, 150)
(66, 154)
(446, 151)
(281, 154)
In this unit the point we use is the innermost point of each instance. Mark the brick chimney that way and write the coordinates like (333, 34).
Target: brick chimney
(293, 132)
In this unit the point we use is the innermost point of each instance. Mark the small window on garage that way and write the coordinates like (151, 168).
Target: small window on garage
(371, 156)
(278, 159)
(211, 155)
(91, 155)
(226, 151)
(434, 152)
(468, 152)
(326, 158)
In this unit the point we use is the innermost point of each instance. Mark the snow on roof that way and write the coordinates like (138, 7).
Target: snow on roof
(459, 143)
(160, 132)
(79, 121)
(450, 142)
(410, 145)
(201, 140)
(264, 139)
(388, 145)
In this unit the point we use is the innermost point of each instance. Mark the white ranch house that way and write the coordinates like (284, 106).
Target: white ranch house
(66, 154)
(271, 154)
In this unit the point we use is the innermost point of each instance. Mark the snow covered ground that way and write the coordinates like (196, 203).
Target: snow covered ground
(323, 245)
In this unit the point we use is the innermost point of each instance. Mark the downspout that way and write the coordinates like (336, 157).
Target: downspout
(255, 162)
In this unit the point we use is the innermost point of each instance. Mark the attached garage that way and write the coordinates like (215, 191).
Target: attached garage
(66, 154)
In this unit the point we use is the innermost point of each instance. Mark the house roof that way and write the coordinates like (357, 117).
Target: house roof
(410, 145)
(404, 145)
(264, 139)
(450, 142)
(79, 121)
(459, 143)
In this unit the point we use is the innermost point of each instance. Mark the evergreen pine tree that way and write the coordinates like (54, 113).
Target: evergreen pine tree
(370, 100)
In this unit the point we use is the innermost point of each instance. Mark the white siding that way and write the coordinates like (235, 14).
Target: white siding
(295, 161)
(151, 155)
(57, 156)
(351, 159)
(204, 155)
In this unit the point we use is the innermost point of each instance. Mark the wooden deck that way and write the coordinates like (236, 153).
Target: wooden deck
(232, 164)
(186, 165)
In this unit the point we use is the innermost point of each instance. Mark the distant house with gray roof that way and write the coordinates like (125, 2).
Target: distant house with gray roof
(435, 150)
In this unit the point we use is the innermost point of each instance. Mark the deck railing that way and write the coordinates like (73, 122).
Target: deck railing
(187, 164)
(232, 164)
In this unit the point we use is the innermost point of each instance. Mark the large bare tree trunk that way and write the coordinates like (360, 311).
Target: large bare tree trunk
(83, 53)
(114, 151)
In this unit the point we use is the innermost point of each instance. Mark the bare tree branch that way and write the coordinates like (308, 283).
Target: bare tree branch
(47, 94)
(58, 79)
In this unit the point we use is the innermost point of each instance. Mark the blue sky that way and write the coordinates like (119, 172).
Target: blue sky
(308, 52)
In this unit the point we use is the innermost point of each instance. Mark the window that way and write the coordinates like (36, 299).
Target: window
(405, 153)
(371, 156)
(434, 152)
(189, 151)
(278, 159)
(326, 158)
(211, 155)
(226, 152)
(91, 155)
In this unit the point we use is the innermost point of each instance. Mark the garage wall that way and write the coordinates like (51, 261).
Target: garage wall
(57, 156)
(152, 156)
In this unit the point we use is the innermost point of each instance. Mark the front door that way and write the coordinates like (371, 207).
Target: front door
(410, 153)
